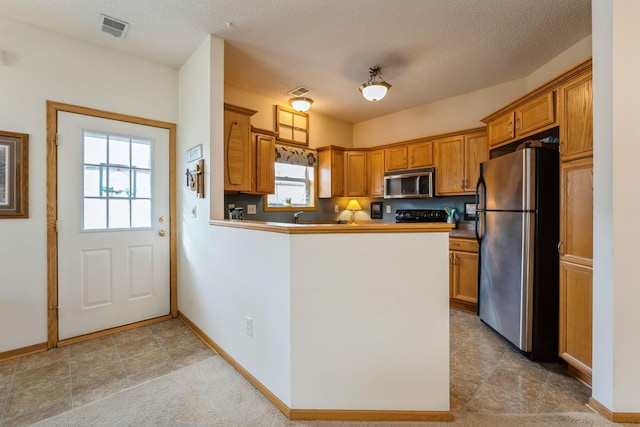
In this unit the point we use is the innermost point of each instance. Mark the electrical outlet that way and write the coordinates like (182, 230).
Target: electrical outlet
(335, 208)
(249, 325)
(251, 209)
(388, 208)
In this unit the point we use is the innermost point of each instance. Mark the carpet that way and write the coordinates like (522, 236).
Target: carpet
(212, 393)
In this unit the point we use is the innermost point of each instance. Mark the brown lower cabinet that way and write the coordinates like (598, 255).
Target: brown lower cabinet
(463, 274)
(576, 307)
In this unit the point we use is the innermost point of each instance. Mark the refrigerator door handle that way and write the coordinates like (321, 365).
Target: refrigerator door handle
(480, 214)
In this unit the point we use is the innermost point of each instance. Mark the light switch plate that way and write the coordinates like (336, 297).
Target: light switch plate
(388, 208)
(251, 209)
(335, 208)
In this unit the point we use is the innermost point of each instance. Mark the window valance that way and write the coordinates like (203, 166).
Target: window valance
(296, 156)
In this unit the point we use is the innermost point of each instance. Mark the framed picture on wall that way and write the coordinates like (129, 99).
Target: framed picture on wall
(14, 175)
(376, 210)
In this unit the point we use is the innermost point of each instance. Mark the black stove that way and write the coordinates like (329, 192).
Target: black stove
(421, 215)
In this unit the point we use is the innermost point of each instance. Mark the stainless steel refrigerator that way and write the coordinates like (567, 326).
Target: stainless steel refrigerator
(517, 198)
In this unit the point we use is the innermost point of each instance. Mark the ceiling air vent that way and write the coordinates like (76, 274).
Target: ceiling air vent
(113, 26)
(300, 91)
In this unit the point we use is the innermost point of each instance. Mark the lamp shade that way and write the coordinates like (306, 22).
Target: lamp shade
(353, 205)
(374, 91)
(300, 103)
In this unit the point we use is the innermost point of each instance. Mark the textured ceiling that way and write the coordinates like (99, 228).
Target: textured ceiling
(428, 49)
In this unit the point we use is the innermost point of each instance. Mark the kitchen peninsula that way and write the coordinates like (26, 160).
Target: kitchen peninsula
(341, 321)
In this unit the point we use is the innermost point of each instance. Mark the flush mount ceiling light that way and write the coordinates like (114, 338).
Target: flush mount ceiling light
(300, 103)
(376, 88)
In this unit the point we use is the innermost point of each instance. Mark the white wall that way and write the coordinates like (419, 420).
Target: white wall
(323, 130)
(43, 66)
(217, 290)
(616, 348)
(464, 111)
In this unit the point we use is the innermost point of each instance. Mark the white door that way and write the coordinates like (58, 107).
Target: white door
(113, 223)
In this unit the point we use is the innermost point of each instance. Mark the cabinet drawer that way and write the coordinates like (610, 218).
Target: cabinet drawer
(458, 244)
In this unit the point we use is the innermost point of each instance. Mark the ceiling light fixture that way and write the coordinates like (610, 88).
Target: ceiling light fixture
(376, 88)
(300, 103)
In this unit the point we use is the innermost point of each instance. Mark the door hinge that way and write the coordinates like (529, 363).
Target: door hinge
(57, 139)
(57, 226)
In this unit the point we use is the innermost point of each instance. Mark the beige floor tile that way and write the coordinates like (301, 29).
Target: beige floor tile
(131, 335)
(490, 398)
(7, 370)
(100, 391)
(90, 346)
(38, 415)
(45, 358)
(147, 361)
(138, 347)
(39, 377)
(38, 398)
(106, 356)
(85, 380)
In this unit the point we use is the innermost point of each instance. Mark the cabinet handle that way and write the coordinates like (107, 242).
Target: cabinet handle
(451, 258)
(560, 247)
(466, 184)
(518, 123)
(560, 147)
(462, 184)
(510, 129)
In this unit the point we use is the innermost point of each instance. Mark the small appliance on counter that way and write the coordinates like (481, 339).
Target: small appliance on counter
(235, 213)
(420, 215)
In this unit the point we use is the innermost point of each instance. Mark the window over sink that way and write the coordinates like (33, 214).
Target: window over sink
(295, 180)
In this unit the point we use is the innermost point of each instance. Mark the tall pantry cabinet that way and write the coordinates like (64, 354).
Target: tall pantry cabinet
(576, 223)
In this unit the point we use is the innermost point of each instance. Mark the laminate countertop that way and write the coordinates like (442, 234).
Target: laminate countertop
(333, 228)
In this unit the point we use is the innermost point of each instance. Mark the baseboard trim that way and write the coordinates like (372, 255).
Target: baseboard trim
(616, 417)
(580, 374)
(24, 351)
(357, 415)
(315, 414)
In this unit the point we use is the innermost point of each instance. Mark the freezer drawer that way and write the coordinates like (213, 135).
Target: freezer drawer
(506, 275)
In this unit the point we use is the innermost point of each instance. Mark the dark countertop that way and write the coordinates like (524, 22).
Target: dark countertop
(463, 233)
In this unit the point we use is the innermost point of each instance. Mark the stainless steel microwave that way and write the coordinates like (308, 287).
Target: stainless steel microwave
(409, 185)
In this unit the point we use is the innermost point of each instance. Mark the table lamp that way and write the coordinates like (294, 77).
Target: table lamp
(353, 206)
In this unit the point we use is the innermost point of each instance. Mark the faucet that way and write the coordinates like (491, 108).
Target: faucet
(296, 216)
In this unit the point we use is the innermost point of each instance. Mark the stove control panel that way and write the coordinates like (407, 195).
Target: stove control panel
(421, 215)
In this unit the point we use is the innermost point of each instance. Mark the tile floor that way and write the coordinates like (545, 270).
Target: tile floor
(39, 386)
(487, 374)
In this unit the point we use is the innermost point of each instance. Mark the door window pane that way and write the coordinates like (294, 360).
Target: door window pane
(116, 182)
(95, 214)
(119, 214)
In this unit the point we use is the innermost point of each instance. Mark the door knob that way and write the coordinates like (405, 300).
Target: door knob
(161, 220)
(162, 233)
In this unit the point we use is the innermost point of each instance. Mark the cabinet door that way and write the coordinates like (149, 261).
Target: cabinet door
(265, 164)
(337, 173)
(576, 305)
(420, 154)
(476, 152)
(356, 174)
(237, 143)
(450, 165)
(395, 158)
(535, 114)
(376, 173)
(465, 277)
(575, 105)
(500, 130)
(576, 211)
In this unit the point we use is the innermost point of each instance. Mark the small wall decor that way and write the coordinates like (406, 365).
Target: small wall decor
(470, 213)
(194, 153)
(14, 175)
(195, 179)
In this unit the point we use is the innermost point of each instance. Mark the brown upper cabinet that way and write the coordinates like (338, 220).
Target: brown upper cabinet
(237, 148)
(458, 159)
(263, 157)
(356, 181)
(526, 119)
(575, 106)
(376, 173)
(409, 155)
(292, 126)
(330, 172)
